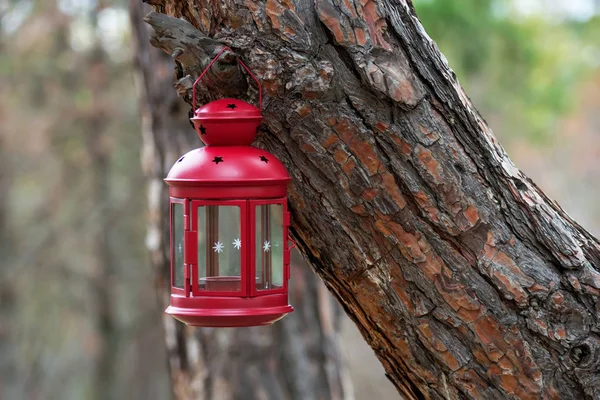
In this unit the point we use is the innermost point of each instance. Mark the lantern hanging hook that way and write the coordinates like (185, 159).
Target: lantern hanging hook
(210, 65)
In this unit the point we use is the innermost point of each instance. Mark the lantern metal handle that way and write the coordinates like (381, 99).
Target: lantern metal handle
(210, 65)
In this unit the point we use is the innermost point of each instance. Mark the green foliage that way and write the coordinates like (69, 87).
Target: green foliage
(521, 72)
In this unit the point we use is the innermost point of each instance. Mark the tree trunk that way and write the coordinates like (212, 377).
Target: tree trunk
(467, 281)
(295, 359)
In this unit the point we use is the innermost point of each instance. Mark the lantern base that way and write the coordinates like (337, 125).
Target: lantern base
(229, 312)
(197, 319)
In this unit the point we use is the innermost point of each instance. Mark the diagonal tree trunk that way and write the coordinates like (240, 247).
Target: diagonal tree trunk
(467, 281)
(298, 358)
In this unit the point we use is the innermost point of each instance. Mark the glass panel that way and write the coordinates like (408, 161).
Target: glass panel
(202, 233)
(219, 248)
(269, 246)
(177, 243)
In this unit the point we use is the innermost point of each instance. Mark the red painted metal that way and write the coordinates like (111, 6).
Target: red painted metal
(209, 183)
(229, 311)
(240, 119)
(240, 174)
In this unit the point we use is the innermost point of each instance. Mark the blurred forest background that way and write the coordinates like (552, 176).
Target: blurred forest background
(78, 314)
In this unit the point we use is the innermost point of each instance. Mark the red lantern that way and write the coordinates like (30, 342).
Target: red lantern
(229, 222)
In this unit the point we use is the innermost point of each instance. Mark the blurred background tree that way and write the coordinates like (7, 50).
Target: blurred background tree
(80, 311)
(78, 314)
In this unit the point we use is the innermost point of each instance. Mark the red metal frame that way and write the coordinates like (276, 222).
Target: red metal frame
(252, 253)
(247, 251)
(243, 292)
(186, 226)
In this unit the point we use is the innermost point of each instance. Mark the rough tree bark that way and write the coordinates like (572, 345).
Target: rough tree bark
(467, 281)
(298, 358)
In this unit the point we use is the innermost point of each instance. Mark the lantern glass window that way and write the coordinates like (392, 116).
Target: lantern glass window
(177, 243)
(219, 248)
(269, 244)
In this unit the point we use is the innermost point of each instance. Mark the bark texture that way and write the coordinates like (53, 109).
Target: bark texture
(467, 281)
(295, 359)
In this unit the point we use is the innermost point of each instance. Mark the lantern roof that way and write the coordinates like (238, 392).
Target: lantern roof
(230, 165)
(225, 109)
(227, 122)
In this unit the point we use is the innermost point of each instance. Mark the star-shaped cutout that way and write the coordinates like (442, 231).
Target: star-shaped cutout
(232, 106)
(264, 159)
(217, 160)
(202, 130)
(237, 243)
(267, 246)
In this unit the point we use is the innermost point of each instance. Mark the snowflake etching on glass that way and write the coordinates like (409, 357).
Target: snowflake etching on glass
(218, 247)
(237, 243)
(267, 246)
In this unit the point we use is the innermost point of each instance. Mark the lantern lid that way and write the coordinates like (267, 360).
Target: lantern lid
(227, 122)
(228, 165)
(227, 109)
